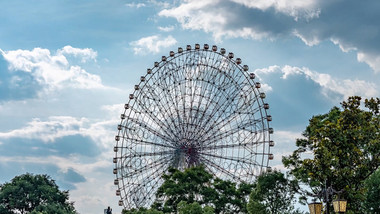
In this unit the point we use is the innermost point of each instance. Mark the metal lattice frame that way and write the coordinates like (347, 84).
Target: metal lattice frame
(196, 106)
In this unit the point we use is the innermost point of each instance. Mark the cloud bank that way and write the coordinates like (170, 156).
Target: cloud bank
(43, 71)
(350, 24)
(328, 85)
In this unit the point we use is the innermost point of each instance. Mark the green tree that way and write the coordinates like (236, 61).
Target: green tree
(273, 193)
(181, 186)
(371, 203)
(229, 197)
(193, 208)
(55, 208)
(142, 210)
(34, 194)
(197, 185)
(340, 149)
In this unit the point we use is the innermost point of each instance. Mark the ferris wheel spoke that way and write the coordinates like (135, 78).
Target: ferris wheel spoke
(232, 158)
(216, 134)
(161, 110)
(219, 109)
(139, 190)
(222, 101)
(173, 102)
(190, 92)
(161, 83)
(223, 134)
(158, 171)
(150, 193)
(147, 167)
(147, 174)
(207, 122)
(151, 130)
(234, 113)
(205, 87)
(147, 154)
(221, 169)
(167, 96)
(199, 92)
(236, 116)
(211, 132)
(142, 142)
(150, 114)
(180, 129)
(227, 146)
(180, 104)
(184, 113)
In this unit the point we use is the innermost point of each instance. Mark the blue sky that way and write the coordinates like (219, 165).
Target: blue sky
(67, 67)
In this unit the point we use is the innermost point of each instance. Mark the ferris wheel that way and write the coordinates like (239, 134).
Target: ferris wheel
(197, 106)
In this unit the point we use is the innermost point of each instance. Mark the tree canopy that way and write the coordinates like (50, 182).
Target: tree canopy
(273, 193)
(142, 210)
(193, 208)
(195, 191)
(196, 188)
(30, 193)
(340, 149)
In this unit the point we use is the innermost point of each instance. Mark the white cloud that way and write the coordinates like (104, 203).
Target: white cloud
(135, 5)
(344, 87)
(312, 21)
(166, 29)
(232, 18)
(266, 87)
(284, 137)
(54, 71)
(152, 44)
(113, 109)
(372, 60)
(200, 15)
(60, 126)
(295, 8)
(64, 163)
(309, 40)
(85, 54)
(48, 131)
(162, 3)
(149, 3)
(270, 69)
(343, 47)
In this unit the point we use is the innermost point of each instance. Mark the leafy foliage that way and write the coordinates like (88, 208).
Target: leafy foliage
(273, 193)
(55, 208)
(197, 185)
(142, 210)
(371, 203)
(341, 148)
(193, 208)
(34, 194)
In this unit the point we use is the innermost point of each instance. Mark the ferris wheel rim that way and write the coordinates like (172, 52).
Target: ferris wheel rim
(158, 67)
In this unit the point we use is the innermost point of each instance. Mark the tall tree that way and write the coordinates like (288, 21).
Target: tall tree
(197, 185)
(273, 193)
(339, 149)
(39, 193)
